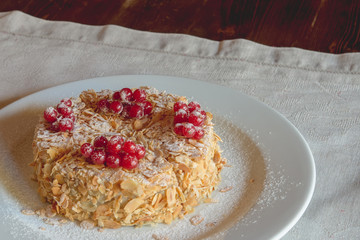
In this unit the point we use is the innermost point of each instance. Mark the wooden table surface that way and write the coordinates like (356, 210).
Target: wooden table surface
(320, 25)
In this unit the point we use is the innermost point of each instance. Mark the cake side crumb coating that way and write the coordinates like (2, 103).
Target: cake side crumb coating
(175, 175)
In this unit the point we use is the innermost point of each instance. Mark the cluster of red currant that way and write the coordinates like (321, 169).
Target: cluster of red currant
(114, 153)
(62, 118)
(188, 120)
(129, 104)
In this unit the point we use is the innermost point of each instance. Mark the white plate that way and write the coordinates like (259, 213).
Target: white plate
(286, 163)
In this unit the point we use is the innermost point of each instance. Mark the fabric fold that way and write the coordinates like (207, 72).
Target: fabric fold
(318, 92)
(241, 50)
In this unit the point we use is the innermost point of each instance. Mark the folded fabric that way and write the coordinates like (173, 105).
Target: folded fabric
(319, 93)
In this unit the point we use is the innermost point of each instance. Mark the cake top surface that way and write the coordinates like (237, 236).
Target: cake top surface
(154, 132)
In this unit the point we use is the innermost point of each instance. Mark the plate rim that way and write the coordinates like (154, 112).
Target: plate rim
(310, 157)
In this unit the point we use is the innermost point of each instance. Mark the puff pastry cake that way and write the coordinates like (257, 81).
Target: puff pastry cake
(99, 159)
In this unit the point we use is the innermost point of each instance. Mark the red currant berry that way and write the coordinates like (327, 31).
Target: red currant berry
(116, 96)
(129, 161)
(64, 109)
(139, 95)
(203, 113)
(180, 105)
(140, 151)
(114, 144)
(129, 147)
(126, 94)
(72, 117)
(87, 149)
(116, 106)
(98, 156)
(113, 161)
(121, 154)
(147, 107)
(126, 109)
(136, 111)
(50, 114)
(103, 105)
(188, 130)
(196, 118)
(193, 106)
(100, 141)
(178, 129)
(67, 102)
(66, 124)
(199, 133)
(181, 116)
(55, 126)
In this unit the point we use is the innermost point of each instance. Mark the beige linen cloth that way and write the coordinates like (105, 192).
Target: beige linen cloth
(319, 93)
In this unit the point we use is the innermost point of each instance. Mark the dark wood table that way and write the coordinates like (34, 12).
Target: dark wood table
(320, 25)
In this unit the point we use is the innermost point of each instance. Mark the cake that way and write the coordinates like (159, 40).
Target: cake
(175, 173)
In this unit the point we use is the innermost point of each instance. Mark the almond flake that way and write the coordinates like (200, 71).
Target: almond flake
(211, 224)
(168, 218)
(87, 224)
(49, 212)
(50, 221)
(177, 211)
(170, 197)
(196, 220)
(157, 237)
(63, 221)
(226, 189)
(132, 186)
(133, 204)
(52, 153)
(111, 224)
(210, 200)
(27, 212)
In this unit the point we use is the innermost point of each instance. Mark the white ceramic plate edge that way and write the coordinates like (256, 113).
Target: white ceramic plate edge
(167, 83)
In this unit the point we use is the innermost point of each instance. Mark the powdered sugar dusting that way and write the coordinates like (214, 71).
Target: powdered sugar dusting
(244, 179)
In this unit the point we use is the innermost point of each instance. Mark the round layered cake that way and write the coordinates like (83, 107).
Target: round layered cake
(178, 169)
